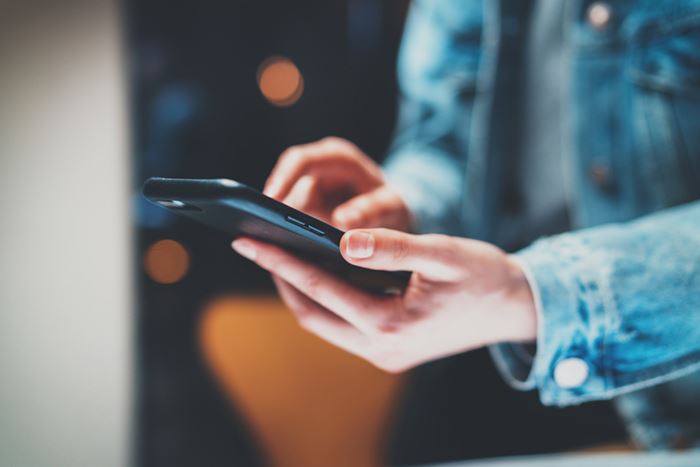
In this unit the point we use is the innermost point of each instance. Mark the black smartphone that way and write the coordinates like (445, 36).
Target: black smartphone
(239, 210)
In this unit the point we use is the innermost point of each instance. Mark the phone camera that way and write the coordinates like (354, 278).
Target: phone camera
(172, 203)
(177, 204)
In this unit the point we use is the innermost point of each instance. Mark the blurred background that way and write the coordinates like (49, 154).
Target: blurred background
(131, 337)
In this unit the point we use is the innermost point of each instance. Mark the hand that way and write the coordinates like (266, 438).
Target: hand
(332, 179)
(463, 294)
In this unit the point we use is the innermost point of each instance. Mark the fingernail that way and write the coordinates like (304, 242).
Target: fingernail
(360, 245)
(245, 249)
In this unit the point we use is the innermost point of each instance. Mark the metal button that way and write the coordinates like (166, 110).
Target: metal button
(296, 221)
(315, 230)
(599, 15)
(600, 175)
(571, 372)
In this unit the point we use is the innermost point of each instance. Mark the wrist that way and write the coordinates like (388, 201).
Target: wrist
(521, 303)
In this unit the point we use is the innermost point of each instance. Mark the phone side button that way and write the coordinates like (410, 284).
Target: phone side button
(296, 221)
(316, 230)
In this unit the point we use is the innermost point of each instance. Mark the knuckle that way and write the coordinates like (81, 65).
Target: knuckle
(306, 322)
(388, 328)
(436, 238)
(340, 146)
(393, 321)
(335, 142)
(290, 150)
(400, 249)
(332, 140)
(355, 211)
(313, 282)
(302, 311)
(385, 208)
(389, 365)
(291, 153)
(396, 368)
(448, 248)
(362, 203)
(360, 218)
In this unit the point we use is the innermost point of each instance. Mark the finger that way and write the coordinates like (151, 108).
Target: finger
(378, 208)
(305, 309)
(311, 197)
(321, 322)
(360, 211)
(362, 310)
(301, 195)
(343, 168)
(437, 257)
(338, 159)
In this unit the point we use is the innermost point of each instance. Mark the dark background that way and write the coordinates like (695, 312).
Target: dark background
(197, 112)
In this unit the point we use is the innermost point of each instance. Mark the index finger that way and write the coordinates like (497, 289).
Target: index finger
(362, 310)
(333, 160)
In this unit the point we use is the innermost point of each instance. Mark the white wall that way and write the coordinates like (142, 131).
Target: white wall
(65, 303)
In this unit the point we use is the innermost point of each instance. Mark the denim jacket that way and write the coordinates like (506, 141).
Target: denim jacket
(618, 297)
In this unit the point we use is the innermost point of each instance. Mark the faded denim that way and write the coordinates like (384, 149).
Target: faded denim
(622, 290)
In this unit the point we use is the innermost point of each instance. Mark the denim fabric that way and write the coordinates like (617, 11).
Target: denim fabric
(622, 290)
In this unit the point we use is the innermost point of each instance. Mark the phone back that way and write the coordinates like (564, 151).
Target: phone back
(239, 210)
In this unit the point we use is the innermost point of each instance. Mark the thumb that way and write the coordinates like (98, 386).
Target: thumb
(432, 256)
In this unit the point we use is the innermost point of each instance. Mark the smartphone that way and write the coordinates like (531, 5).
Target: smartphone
(239, 210)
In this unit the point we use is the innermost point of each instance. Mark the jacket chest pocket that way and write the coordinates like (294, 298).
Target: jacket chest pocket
(664, 72)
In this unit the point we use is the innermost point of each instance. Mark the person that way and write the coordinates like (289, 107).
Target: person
(565, 132)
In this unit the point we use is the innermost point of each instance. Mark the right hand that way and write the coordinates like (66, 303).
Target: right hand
(332, 179)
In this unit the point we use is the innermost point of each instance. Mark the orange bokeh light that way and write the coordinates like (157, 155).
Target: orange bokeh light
(280, 81)
(166, 261)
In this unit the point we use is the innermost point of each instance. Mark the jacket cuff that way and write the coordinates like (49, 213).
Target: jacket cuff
(571, 287)
(514, 360)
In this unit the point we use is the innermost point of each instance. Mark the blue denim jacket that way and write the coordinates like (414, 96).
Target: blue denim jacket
(621, 292)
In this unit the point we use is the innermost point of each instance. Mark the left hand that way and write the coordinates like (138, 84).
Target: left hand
(463, 294)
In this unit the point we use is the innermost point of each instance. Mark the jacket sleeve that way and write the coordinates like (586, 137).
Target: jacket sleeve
(618, 309)
(437, 70)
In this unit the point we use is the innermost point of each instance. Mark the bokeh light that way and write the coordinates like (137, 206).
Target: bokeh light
(166, 261)
(280, 81)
